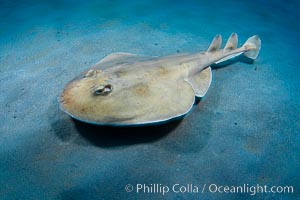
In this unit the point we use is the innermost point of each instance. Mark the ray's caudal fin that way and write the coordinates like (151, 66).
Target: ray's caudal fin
(250, 48)
(252, 45)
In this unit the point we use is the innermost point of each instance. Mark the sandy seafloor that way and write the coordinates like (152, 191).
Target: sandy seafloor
(244, 131)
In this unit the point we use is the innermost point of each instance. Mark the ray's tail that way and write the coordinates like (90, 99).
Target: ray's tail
(250, 48)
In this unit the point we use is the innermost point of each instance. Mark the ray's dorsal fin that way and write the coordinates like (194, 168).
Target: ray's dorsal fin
(215, 44)
(232, 42)
(201, 81)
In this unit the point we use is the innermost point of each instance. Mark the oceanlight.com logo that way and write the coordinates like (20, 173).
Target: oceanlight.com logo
(161, 189)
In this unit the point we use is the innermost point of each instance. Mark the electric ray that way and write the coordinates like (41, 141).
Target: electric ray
(129, 89)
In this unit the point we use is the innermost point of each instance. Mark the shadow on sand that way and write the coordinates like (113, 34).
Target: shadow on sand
(109, 136)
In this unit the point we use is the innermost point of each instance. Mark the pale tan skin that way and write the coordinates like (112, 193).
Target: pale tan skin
(127, 89)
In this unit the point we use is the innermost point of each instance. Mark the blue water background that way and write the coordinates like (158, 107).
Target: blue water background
(244, 131)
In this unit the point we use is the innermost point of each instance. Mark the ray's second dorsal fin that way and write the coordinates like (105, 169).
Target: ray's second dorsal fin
(215, 44)
(232, 42)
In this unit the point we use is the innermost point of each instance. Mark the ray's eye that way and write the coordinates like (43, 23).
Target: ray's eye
(103, 90)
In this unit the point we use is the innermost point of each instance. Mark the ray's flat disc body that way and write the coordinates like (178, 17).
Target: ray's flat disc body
(143, 90)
